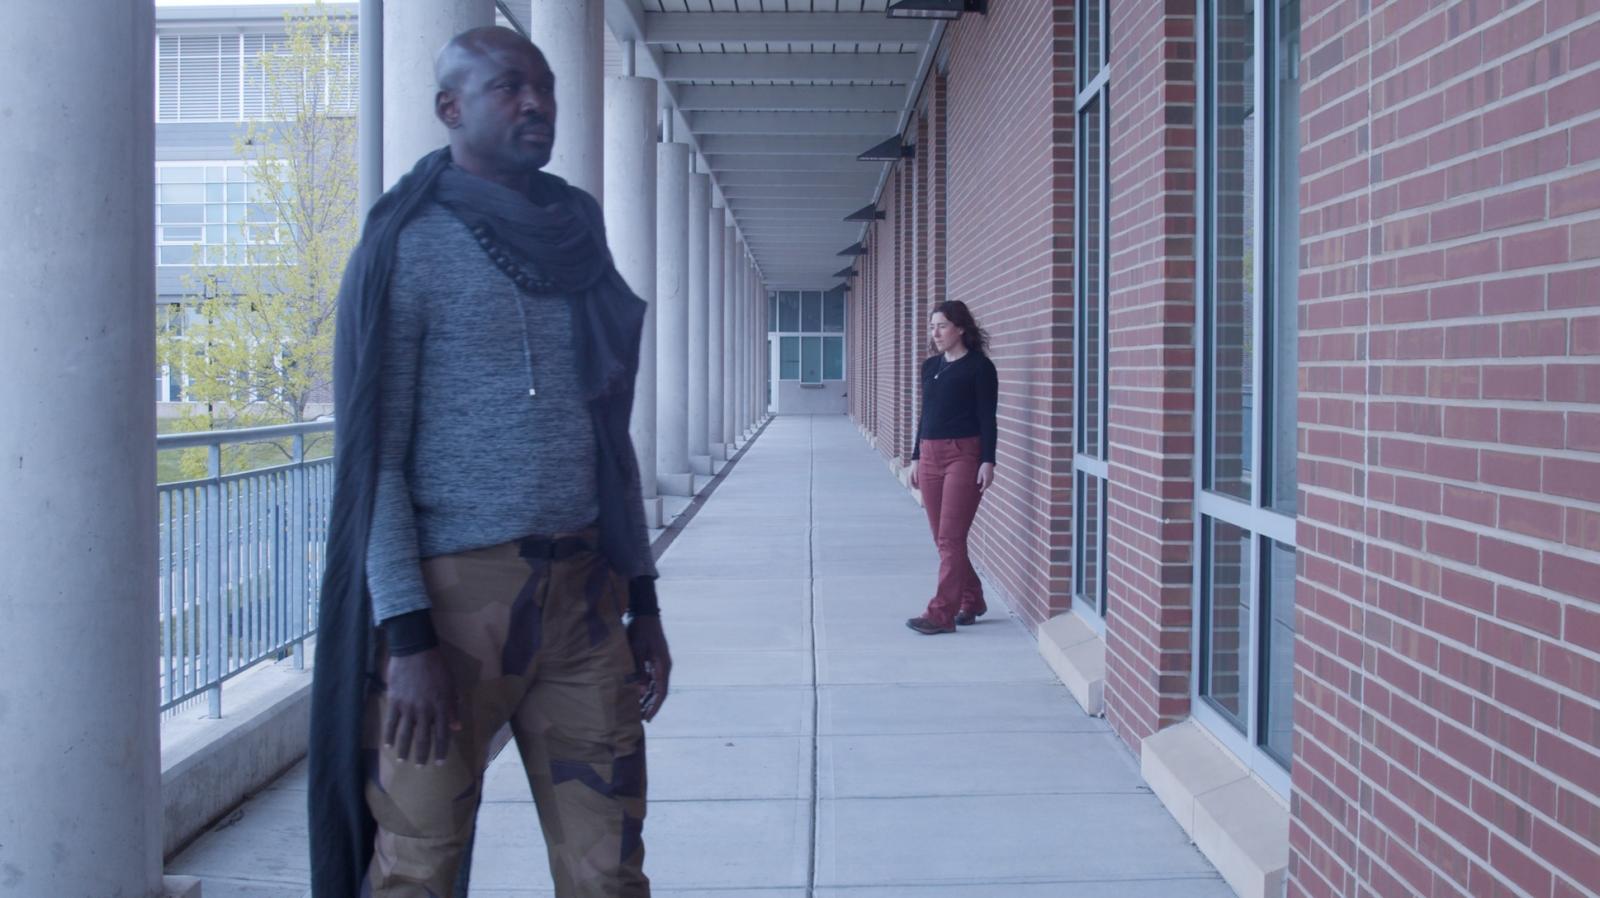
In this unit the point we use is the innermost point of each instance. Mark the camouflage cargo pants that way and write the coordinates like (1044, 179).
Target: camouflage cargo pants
(537, 642)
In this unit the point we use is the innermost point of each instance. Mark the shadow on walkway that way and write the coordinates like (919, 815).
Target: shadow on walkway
(813, 745)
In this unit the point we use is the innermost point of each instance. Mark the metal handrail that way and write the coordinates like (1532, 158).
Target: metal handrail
(241, 558)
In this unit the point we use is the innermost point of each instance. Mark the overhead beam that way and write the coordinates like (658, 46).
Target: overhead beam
(811, 217)
(896, 67)
(782, 28)
(731, 179)
(788, 145)
(791, 98)
(792, 163)
(869, 124)
(812, 205)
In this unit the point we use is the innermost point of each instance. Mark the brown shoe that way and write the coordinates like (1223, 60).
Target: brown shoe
(965, 618)
(927, 627)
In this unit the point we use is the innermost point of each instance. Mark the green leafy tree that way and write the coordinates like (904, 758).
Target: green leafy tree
(254, 340)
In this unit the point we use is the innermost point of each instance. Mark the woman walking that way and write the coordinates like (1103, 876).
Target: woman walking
(952, 462)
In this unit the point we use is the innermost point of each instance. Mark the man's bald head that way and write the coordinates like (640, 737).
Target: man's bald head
(497, 96)
(456, 59)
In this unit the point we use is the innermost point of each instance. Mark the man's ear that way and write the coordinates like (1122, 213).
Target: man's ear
(447, 109)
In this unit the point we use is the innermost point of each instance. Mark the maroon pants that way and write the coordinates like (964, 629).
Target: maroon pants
(947, 474)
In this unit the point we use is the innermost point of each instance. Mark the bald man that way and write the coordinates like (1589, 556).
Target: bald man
(488, 562)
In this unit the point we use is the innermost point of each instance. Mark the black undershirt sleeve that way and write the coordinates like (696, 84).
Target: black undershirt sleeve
(988, 406)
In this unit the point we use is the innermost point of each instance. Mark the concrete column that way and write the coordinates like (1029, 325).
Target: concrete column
(699, 313)
(413, 33)
(630, 213)
(673, 477)
(80, 785)
(369, 124)
(716, 254)
(764, 353)
(730, 301)
(740, 358)
(571, 34)
(750, 351)
(758, 342)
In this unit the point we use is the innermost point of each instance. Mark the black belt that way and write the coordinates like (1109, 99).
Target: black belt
(554, 548)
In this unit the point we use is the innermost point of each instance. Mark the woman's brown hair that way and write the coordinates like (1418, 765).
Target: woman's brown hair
(956, 312)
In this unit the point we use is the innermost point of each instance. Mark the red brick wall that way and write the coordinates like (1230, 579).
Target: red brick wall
(934, 148)
(1008, 256)
(891, 401)
(1449, 661)
(1149, 537)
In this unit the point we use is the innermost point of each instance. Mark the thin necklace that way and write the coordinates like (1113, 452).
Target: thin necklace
(947, 363)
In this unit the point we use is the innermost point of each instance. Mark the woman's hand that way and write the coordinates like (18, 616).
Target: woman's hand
(985, 476)
(913, 471)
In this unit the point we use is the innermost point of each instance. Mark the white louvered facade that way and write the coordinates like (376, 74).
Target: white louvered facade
(218, 77)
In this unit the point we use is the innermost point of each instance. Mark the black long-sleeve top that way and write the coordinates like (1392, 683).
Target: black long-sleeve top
(959, 399)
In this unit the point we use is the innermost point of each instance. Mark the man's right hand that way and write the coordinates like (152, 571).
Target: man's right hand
(422, 707)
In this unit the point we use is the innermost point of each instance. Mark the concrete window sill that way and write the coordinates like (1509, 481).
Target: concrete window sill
(1237, 821)
(1078, 656)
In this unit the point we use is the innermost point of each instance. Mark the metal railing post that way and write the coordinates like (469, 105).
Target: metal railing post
(213, 582)
(297, 550)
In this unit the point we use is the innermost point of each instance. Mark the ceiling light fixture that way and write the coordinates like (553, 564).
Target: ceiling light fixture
(935, 9)
(854, 249)
(866, 213)
(847, 271)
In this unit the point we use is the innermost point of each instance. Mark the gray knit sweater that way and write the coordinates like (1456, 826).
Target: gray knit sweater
(468, 458)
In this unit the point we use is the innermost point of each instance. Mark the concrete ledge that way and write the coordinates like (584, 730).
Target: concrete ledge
(1238, 822)
(675, 484)
(701, 465)
(209, 766)
(652, 513)
(1078, 656)
(719, 452)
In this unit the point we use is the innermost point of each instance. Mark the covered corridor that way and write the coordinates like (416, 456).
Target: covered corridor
(812, 744)
(1295, 308)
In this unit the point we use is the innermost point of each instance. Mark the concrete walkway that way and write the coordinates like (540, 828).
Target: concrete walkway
(812, 744)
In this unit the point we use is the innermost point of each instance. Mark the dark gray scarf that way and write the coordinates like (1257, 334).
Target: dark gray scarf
(542, 240)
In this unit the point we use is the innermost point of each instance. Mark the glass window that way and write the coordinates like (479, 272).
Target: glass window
(1089, 550)
(811, 360)
(788, 358)
(1231, 201)
(833, 313)
(1091, 289)
(1089, 40)
(1250, 326)
(811, 312)
(1283, 227)
(1225, 653)
(1089, 405)
(789, 312)
(833, 358)
(209, 206)
(1277, 654)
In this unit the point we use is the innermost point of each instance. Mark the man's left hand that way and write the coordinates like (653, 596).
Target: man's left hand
(654, 661)
(985, 476)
